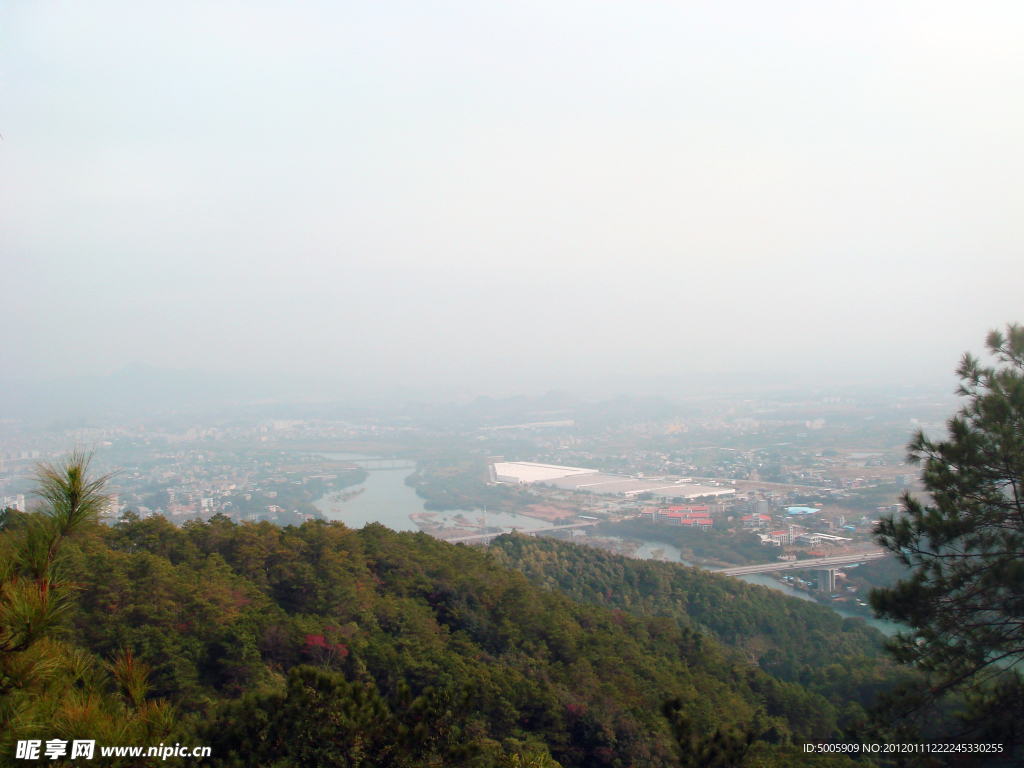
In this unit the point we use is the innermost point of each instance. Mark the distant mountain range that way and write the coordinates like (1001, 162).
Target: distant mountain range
(144, 390)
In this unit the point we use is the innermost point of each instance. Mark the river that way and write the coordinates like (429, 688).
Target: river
(764, 580)
(385, 498)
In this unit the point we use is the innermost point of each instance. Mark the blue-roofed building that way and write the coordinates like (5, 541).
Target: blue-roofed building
(801, 510)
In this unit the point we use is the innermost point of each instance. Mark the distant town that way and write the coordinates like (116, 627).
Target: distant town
(723, 484)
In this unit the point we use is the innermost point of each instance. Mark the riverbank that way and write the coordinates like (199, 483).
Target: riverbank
(384, 497)
(765, 580)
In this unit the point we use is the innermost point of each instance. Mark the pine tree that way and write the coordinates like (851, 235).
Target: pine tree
(723, 749)
(964, 600)
(49, 689)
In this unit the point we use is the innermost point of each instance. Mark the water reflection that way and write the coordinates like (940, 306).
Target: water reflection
(764, 580)
(385, 498)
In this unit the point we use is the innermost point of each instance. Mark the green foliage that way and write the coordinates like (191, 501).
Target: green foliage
(320, 645)
(722, 749)
(739, 549)
(48, 688)
(730, 610)
(964, 598)
(445, 487)
(321, 719)
(226, 613)
(793, 640)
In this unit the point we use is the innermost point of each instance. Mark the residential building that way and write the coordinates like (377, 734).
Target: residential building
(781, 537)
(756, 522)
(16, 501)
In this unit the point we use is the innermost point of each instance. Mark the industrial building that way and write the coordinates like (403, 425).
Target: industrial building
(526, 472)
(594, 481)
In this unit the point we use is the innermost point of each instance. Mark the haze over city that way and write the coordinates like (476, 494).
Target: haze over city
(503, 198)
(512, 385)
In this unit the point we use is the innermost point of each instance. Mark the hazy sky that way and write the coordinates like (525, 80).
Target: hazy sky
(509, 194)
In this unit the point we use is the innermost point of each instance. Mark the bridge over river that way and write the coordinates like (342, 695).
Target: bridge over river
(372, 464)
(816, 564)
(826, 565)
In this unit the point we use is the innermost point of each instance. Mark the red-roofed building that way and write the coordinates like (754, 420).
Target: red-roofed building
(685, 516)
(757, 521)
(704, 511)
(781, 537)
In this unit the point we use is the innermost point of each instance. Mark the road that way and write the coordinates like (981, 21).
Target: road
(528, 531)
(819, 563)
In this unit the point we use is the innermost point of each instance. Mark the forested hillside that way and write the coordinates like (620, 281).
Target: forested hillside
(794, 640)
(321, 645)
(696, 545)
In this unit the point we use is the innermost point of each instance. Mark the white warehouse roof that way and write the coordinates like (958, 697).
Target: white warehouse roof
(529, 472)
